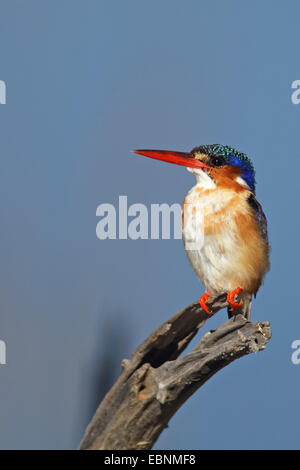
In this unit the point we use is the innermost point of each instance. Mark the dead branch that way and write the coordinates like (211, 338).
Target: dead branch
(155, 381)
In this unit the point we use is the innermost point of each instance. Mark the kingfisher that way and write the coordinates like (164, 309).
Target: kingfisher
(224, 227)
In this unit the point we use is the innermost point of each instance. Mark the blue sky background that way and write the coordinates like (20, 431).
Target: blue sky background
(86, 82)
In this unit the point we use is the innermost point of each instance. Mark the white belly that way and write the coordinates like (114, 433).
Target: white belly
(211, 255)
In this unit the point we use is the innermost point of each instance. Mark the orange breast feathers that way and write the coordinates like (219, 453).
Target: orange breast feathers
(233, 252)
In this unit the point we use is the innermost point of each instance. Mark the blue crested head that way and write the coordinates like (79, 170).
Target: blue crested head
(221, 155)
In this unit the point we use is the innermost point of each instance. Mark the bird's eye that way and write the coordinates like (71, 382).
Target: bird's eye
(217, 161)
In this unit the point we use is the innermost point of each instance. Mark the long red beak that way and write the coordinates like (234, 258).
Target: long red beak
(179, 158)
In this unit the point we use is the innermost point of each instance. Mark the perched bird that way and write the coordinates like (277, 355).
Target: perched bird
(224, 227)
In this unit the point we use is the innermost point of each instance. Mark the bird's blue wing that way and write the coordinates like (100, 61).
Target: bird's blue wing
(260, 216)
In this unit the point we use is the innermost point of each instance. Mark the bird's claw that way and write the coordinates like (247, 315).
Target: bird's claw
(231, 298)
(203, 300)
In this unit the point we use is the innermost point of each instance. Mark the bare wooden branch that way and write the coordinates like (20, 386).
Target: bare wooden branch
(155, 381)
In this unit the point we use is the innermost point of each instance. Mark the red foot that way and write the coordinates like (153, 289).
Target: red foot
(230, 298)
(202, 302)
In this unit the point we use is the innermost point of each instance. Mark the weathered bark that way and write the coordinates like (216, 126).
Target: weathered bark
(155, 381)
